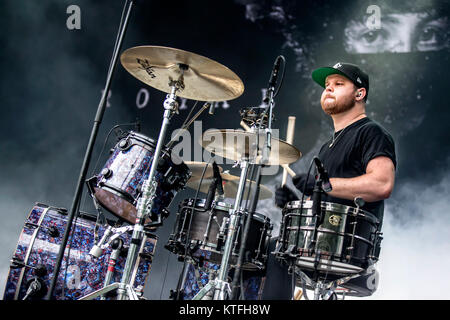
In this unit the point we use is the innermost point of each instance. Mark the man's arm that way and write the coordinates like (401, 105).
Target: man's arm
(376, 184)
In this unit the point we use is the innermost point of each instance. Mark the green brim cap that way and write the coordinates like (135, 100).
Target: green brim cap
(321, 74)
(348, 70)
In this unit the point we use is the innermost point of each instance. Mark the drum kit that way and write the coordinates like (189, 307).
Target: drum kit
(141, 178)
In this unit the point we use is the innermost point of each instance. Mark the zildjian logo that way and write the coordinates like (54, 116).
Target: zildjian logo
(147, 67)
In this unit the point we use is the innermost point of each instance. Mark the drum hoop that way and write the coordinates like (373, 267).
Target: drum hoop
(328, 231)
(143, 138)
(200, 204)
(208, 246)
(30, 248)
(224, 206)
(147, 141)
(335, 207)
(116, 191)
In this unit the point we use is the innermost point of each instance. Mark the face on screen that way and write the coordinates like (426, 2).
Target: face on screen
(397, 32)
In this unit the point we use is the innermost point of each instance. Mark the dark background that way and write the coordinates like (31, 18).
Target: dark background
(52, 79)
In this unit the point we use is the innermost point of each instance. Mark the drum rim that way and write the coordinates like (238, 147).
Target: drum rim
(212, 249)
(333, 206)
(143, 138)
(256, 215)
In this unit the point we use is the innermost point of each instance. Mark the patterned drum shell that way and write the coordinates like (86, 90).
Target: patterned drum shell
(39, 244)
(119, 184)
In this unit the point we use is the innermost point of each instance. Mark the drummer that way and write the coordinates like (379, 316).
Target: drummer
(360, 155)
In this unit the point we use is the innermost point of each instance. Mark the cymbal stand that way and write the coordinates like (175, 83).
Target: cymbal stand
(248, 221)
(145, 203)
(220, 285)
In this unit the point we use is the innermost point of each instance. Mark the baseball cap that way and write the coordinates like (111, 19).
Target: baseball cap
(348, 70)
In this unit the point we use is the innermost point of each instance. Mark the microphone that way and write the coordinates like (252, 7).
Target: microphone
(274, 76)
(218, 177)
(212, 190)
(97, 249)
(326, 185)
(36, 288)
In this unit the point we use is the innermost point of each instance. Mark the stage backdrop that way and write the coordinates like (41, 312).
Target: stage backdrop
(55, 57)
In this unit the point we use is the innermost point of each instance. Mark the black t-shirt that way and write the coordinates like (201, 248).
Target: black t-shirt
(353, 148)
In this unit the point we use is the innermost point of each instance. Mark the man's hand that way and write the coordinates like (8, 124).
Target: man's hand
(299, 182)
(284, 195)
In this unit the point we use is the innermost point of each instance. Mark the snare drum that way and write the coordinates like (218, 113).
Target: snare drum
(343, 244)
(80, 273)
(208, 231)
(118, 186)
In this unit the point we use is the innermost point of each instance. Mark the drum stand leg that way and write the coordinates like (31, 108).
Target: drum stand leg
(324, 290)
(220, 286)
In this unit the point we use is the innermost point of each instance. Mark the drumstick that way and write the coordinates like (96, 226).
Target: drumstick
(289, 139)
(186, 125)
(245, 126)
(289, 170)
(285, 166)
(298, 295)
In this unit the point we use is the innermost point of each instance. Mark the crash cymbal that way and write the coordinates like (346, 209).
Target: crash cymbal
(235, 144)
(230, 186)
(197, 168)
(203, 79)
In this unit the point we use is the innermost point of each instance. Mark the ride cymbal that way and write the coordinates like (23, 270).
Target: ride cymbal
(237, 144)
(230, 186)
(200, 78)
(197, 168)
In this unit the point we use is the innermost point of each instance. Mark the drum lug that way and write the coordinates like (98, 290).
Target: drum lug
(16, 263)
(124, 144)
(146, 256)
(106, 173)
(53, 232)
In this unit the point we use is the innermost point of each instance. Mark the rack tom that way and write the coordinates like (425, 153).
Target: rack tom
(205, 234)
(119, 184)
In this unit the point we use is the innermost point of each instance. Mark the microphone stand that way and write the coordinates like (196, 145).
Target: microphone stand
(87, 158)
(265, 159)
(254, 202)
(316, 211)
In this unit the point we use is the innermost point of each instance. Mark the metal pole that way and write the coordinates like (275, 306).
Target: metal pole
(250, 213)
(145, 203)
(219, 293)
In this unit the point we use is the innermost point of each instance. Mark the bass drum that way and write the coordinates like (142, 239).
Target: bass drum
(346, 242)
(206, 234)
(80, 273)
(119, 184)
